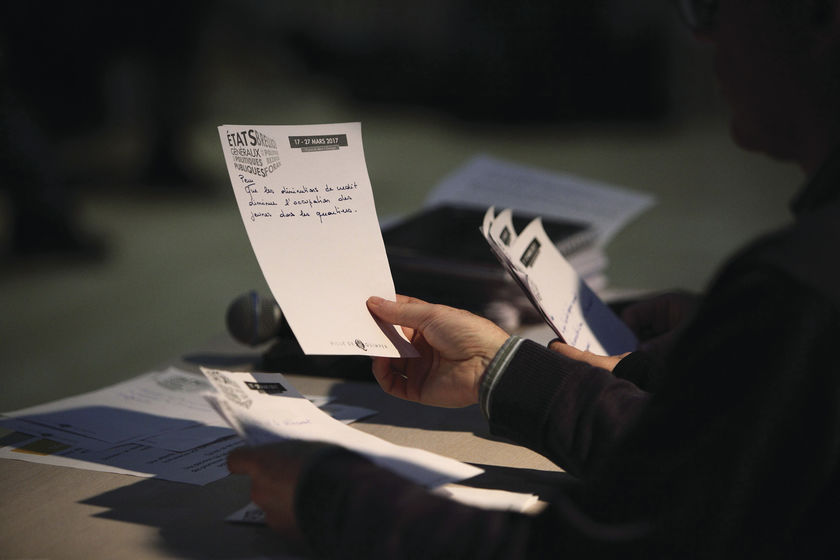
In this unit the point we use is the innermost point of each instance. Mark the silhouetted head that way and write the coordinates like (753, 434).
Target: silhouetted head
(778, 63)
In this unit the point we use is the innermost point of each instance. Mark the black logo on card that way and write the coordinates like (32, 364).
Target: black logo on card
(267, 388)
(505, 236)
(253, 152)
(531, 253)
(231, 390)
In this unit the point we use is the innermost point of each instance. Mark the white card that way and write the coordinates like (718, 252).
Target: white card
(306, 201)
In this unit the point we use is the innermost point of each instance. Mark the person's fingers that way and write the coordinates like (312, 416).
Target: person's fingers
(568, 351)
(241, 460)
(604, 362)
(387, 377)
(407, 312)
(408, 299)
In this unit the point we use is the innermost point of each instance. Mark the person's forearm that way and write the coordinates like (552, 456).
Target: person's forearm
(566, 410)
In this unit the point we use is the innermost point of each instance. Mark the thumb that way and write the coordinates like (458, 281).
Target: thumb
(411, 314)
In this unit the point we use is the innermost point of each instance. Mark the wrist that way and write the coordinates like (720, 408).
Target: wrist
(494, 371)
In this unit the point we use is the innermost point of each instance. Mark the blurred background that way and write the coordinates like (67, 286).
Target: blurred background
(121, 243)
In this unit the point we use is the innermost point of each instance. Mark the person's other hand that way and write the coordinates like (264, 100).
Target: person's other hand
(274, 470)
(603, 362)
(655, 320)
(455, 348)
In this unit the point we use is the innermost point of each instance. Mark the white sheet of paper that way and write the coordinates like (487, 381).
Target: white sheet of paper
(484, 498)
(143, 407)
(485, 181)
(489, 498)
(264, 407)
(200, 465)
(345, 413)
(307, 204)
(565, 301)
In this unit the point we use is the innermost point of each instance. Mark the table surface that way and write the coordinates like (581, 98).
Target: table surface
(58, 512)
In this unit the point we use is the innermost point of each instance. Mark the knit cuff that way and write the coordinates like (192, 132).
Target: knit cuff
(495, 370)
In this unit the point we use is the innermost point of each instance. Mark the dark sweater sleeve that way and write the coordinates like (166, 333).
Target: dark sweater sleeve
(643, 369)
(348, 507)
(566, 410)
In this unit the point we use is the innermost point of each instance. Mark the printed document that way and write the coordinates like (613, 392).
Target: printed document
(155, 425)
(306, 201)
(265, 408)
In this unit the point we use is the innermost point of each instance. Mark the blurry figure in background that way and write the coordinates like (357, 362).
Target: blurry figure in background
(57, 62)
(43, 210)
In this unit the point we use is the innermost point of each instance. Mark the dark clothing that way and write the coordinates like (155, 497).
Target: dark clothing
(734, 452)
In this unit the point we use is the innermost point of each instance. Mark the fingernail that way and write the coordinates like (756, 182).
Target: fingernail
(375, 300)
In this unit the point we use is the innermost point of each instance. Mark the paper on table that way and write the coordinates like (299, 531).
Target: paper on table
(199, 465)
(265, 407)
(146, 406)
(155, 425)
(484, 498)
(345, 413)
(485, 181)
(307, 204)
(565, 301)
(489, 498)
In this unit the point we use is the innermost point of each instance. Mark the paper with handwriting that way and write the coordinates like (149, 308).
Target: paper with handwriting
(307, 204)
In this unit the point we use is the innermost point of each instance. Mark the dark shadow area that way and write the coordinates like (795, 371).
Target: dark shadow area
(104, 64)
(110, 99)
(190, 519)
(536, 61)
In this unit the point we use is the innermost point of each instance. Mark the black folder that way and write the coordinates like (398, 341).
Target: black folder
(439, 254)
